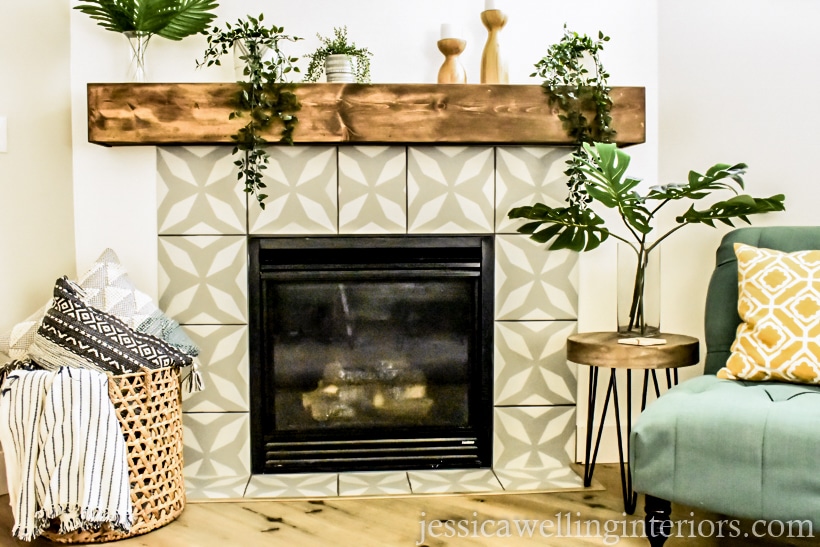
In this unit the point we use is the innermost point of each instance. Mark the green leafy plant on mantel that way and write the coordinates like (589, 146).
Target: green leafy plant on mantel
(265, 97)
(581, 229)
(575, 81)
(338, 45)
(171, 19)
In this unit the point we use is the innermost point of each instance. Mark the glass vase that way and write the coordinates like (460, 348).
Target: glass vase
(138, 42)
(639, 292)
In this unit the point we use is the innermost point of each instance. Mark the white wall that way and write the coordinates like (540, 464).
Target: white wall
(738, 83)
(36, 209)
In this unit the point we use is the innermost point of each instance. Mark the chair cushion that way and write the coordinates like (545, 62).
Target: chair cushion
(745, 449)
(779, 304)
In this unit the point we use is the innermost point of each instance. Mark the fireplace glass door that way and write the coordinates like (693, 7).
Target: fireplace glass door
(370, 353)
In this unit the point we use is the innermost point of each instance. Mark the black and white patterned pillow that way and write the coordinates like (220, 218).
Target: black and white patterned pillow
(73, 333)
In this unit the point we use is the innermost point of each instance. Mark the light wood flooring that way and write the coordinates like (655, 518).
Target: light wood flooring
(396, 521)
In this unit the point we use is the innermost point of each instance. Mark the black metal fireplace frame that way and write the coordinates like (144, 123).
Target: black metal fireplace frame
(450, 447)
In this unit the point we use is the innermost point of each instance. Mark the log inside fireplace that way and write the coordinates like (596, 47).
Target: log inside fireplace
(370, 352)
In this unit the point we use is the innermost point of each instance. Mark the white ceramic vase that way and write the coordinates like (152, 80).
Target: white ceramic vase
(339, 69)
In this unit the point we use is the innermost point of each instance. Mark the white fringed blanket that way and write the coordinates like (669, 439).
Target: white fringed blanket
(64, 451)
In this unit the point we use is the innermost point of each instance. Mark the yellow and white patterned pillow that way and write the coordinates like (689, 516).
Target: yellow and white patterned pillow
(779, 304)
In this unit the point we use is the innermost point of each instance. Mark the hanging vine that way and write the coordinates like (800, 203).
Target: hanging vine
(265, 97)
(576, 82)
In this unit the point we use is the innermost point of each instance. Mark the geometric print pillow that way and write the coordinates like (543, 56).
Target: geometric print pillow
(779, 304)
(73, 333)
(107, 287)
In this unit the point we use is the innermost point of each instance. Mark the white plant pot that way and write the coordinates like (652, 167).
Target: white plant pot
(240, 50)
(339, 69)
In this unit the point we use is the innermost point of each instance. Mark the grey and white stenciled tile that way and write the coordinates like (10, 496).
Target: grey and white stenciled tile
(539, 480)
(534, 437)
(211, 488)
(453, 481)
(531, 366)
(216, 444)
(532, 282)
(302, 190)
(525, 176)
(450, 190)
(296, 485)
(223, 360)
(374, 483)
(197, 191)
(373, 190)
(203, 279)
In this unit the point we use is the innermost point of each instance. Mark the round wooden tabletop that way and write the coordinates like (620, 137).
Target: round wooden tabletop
(601, 349)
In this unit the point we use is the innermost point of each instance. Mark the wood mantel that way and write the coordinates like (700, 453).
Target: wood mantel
(197, 113)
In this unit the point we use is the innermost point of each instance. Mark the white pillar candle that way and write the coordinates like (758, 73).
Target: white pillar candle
(489, 4)
(449, 31)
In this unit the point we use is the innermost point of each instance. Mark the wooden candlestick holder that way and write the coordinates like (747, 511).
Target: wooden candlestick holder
(493, 66)
(451, 71)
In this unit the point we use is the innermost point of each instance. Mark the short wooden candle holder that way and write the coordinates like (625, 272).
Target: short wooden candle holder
(451, 71)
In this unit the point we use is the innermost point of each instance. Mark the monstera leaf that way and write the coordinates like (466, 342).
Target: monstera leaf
(578, 228)
(172, 19)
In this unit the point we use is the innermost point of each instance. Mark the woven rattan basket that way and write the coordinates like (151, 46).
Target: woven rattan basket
(148, 407)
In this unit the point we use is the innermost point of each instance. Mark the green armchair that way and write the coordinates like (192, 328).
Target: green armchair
(736, 448)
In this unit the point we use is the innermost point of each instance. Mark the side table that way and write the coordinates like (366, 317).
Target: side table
(602, 350)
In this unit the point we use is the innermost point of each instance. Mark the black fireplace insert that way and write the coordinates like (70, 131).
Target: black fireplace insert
(370, 352)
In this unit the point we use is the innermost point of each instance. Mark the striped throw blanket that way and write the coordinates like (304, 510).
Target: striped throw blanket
(64, 451)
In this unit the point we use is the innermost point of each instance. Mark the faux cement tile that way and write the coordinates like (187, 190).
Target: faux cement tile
(212, 488)
(526, 175)
(223, 360)
(376, 483)
(532, 282)
(302, 189)
(530, 363)
(453, 481)
(203, 279)
(373, 190)
(217, 444)
(539, 480)
(197, 192)
(293, 485)
(450, 190)
(534, 437)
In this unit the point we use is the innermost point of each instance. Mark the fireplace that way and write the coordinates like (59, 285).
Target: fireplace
(370, 352)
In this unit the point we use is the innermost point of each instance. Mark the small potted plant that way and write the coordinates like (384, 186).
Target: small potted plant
(339, 59)
(139, 20)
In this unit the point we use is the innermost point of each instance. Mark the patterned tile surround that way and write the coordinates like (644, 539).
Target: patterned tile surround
(203, 222)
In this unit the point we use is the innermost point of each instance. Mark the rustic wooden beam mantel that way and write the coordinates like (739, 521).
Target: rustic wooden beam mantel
(197, 113)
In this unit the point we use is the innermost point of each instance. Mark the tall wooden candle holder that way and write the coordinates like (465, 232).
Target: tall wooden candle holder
(493, 66)
(451, 71)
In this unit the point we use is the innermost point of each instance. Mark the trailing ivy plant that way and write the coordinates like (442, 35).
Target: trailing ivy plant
(266, 98)
(577, 88)
(338, 45)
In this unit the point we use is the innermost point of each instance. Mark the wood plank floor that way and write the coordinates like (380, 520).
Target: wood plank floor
(397, 521)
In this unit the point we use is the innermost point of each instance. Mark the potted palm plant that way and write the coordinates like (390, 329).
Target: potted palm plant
(578, 227)
(139, 20)
(339, 59)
